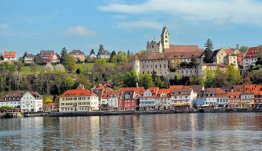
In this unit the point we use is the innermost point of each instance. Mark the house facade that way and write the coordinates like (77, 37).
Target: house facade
(128, 101)
(29, 59)
(47, 56)
(113, 99)
(250, 58)
(234, 99)
(149, 100)
(247, 99)
(12, 100)
(129, 98)
(31, 102)
(164, 99)
(182, 96)
(104, 54)
(9, 56)
(78, 55)
(78, 100)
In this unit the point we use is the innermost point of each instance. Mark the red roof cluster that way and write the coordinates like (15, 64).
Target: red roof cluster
(251, 53)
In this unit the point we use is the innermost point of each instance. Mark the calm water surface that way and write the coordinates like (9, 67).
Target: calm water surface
(209, 131)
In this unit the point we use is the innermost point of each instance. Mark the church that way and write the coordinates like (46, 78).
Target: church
(162, 57)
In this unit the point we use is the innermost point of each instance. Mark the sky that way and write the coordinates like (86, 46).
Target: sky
(121, 25)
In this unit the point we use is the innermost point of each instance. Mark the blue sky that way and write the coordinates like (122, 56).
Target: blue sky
(34, 25)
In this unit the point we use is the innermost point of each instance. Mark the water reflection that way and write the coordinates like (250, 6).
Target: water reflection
(214, 131)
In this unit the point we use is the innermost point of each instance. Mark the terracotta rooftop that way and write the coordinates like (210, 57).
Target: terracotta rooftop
(9, 54)
(183, 48)
(251, 53)
(77, 93)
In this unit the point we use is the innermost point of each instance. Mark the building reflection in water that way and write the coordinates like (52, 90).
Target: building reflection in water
(214, 131)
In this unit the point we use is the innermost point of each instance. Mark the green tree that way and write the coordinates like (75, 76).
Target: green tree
(120, 58)
(101, 61)
(112, 55)
(78, 71)
(243, 48)
(92, 52)
(69, 82)
(6, 72)
(101, 48)
(63, 54)
(256, 76)
(196, 80)
(208, 51)
(130, 79)
(69, 63)
(233, 75)
(146, 81)
(84, 81)
(209, 77)
(25, 54)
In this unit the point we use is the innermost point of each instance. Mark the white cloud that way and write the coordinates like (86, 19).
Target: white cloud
(238, 11)
(79, 31)
(140, 24)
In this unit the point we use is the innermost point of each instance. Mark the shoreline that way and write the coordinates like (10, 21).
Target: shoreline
(110, 113)
(101, 113)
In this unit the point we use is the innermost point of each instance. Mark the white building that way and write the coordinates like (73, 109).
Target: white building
(12, 100)
(31, 102)
(214, 97)
(78, 100)
(149, 100)
(104, 54)
(182, 96)
(9, 56)
(113, 99)
(250, 58)
(164, 98)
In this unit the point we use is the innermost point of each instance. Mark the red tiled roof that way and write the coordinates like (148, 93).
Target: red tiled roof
(181, 91)
(165, 91)
(9, 54)
(138, 90)
(77, 93)
(183, 48)
(251, 53)
(233, 94)
(214, 90)
(154, 90)
(172, 87)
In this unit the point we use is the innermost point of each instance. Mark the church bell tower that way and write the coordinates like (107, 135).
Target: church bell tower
(165, 38)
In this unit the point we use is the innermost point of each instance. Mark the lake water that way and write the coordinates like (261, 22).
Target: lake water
(208, 131)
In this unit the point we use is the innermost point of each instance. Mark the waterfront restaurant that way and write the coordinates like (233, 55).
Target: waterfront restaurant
(78, 100)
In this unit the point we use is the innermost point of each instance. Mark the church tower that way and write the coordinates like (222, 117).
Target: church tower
(165, 38)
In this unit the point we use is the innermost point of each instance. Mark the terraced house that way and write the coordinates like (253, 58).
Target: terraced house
(149, 100)
(78, 100)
